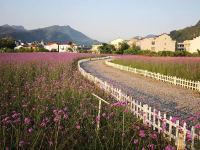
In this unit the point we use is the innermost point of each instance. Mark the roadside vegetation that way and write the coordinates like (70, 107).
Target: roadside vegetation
(47, 104)
(183, 67)
(124, 48)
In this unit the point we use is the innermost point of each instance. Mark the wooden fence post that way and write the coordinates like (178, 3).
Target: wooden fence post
(181, 143)
(99, 116)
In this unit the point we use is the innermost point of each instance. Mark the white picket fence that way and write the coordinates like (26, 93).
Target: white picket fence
(152, 117)
(194, 85)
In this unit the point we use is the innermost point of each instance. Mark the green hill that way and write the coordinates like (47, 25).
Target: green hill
(186, 34)
(49, 34)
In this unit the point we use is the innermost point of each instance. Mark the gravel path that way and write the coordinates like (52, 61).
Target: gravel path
(174, 100)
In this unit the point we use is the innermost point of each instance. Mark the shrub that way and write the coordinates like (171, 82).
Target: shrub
(165, 53)
(182, 53)
(148, 53)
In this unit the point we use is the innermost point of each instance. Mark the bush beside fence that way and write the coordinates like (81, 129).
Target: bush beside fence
(194, 85)
(169, 127)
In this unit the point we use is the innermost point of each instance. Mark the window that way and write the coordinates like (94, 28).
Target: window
(153, 42)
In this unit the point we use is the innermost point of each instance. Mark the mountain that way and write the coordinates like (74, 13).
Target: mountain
(150, 36)
(186, 34)
(48, 34)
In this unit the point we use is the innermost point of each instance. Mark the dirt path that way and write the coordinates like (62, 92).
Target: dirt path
(176, 101)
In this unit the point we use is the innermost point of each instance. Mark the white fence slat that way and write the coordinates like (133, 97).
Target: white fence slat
(177, 132)
(154, 118)
(170, 128)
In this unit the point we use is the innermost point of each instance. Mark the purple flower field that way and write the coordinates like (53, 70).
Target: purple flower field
(47, 104)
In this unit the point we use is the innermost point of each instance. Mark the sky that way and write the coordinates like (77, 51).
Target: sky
(103, 20)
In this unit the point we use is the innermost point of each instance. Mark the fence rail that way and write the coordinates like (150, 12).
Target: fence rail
(194, 85)
(168, 126)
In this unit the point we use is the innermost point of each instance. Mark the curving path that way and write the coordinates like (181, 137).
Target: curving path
(176, 101)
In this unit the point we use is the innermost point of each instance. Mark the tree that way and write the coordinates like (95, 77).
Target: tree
(106, 48)
(7, 44)
(122, 47)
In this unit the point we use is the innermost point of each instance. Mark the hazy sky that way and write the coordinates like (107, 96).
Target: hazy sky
(103, 20)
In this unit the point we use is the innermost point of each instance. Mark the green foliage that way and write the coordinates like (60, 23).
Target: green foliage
(134, 50)
(7, 44)
(182, 53)
(148, 53)
(165, 53)
(122, 47)
(106, 48)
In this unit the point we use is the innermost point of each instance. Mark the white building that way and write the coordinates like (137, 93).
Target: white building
(132, 42)
(192, 46)
(95, 49)
(117, 42)
(51, 46)
(68, 47)
(159, 43)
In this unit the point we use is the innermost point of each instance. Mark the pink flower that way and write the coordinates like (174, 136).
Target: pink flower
(78, 126)
(142, 133)
(135, 141)
(169, 147)
(50, 143)
(30, 130)
(97, 118)
(27, 121)
(154, 136)
(151, 146)
(104, 114)
(197, 126)
(174, 119)
(7, 148)
(119, 104)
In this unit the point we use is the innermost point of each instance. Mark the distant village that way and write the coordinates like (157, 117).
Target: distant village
(156, 44)
(51, 46)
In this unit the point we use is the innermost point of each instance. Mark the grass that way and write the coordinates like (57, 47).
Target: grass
(182, 67)
(47, 104)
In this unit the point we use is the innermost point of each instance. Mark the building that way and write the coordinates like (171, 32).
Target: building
(180, 46)
(69, 47)
(95, 49)
(159, 43)
(52, 47)
(116, 43)
(192, 46)
(132, 42)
